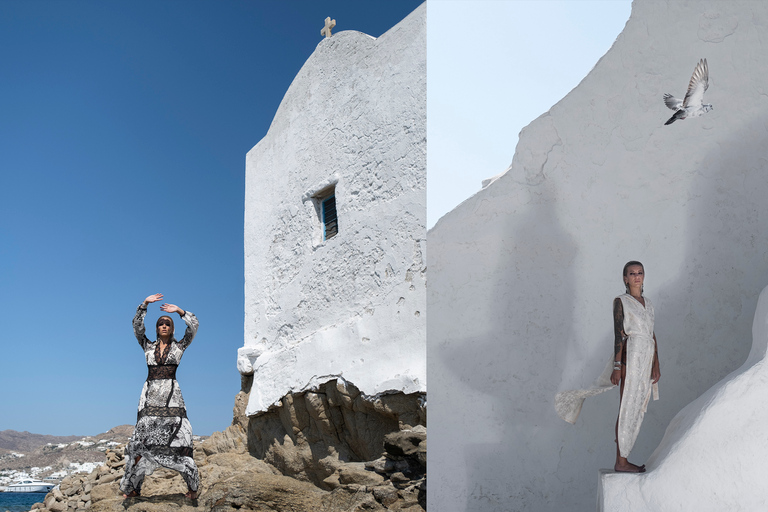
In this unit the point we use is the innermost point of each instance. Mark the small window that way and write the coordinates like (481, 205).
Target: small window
(328, 215)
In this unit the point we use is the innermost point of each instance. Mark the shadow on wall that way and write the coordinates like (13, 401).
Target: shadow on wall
(503, 364)
(708, 313)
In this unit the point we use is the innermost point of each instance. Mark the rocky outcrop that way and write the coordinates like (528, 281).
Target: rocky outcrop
(318, 451)
(339, 440)
(334, 424)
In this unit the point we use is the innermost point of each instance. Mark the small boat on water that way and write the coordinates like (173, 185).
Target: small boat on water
(29, 485)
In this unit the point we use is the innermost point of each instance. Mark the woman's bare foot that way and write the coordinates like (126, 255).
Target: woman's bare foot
(191, 495)
(132, 494)
(628, 467)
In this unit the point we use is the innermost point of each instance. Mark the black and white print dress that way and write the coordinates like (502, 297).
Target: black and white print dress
(163, 434)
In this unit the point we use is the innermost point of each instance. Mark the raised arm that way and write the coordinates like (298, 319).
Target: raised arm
(138, 325)
(139, 330)
(619, 340)
(189, 318)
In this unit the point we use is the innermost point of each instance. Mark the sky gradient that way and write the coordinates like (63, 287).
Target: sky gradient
(123, 136)
(493, 67)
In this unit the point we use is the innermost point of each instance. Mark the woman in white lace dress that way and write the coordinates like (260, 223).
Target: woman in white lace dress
(635, 364)
(163, 434)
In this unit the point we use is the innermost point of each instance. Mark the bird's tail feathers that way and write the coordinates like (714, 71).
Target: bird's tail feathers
(672, 119)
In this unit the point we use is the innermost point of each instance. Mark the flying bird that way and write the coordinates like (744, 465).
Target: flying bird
(693, 104)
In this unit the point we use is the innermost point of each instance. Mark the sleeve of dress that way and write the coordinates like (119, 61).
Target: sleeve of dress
(138, 325)
(189, 334)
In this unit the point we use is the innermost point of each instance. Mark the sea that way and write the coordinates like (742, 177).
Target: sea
(19, 501)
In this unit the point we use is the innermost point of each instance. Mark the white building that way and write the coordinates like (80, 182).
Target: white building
(522, 276)
(335, 215)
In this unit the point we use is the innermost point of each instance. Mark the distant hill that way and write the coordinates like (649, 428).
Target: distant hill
(56, 451)
(12, 440)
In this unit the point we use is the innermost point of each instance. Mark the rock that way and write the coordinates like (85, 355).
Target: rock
(355, 473)
(58, 506)
(386, 465)
(399, 480)
(109, 478)
(349, 500)
(332, 482)
(70, 489)
(233, 439)
(385, 494)
(103, 492)
(404, 442)
(335, 419)
(421, 454)
(57, 494)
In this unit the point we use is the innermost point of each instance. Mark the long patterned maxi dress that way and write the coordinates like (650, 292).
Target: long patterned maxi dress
(639, 351)
(163, 434)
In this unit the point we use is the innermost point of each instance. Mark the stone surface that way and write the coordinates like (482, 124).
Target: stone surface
(404, 443)
(522, 274)
(342, 427)
(352, 306)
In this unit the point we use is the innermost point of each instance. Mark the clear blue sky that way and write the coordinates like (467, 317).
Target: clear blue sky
(123, 133)
(494, 66)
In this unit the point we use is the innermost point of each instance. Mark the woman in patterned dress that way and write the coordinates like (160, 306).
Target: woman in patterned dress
(163, 434)
(635, 363)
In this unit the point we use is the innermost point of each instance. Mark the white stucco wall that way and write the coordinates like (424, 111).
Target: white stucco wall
(522, 274)
(353, 306)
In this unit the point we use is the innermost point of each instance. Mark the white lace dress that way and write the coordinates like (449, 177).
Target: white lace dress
(640, 348)
(638, 326)
(163, 434)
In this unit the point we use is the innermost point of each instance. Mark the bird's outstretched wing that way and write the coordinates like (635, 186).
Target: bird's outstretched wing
(672, 102)
(698, 84)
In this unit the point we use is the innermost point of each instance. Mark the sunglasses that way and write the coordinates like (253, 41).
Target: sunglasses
(164, 322)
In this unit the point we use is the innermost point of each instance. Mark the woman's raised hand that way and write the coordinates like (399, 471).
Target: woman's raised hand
(172, 308)
(153, 298)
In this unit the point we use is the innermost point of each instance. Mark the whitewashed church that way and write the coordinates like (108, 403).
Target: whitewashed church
(335, 216)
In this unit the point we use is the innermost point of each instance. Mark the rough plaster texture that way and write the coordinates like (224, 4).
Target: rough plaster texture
(522, 274)
(353, 306)
(713, 454)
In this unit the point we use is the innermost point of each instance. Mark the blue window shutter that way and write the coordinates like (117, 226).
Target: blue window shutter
(330, 223)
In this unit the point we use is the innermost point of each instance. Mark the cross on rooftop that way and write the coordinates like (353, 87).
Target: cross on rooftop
(329, 24)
